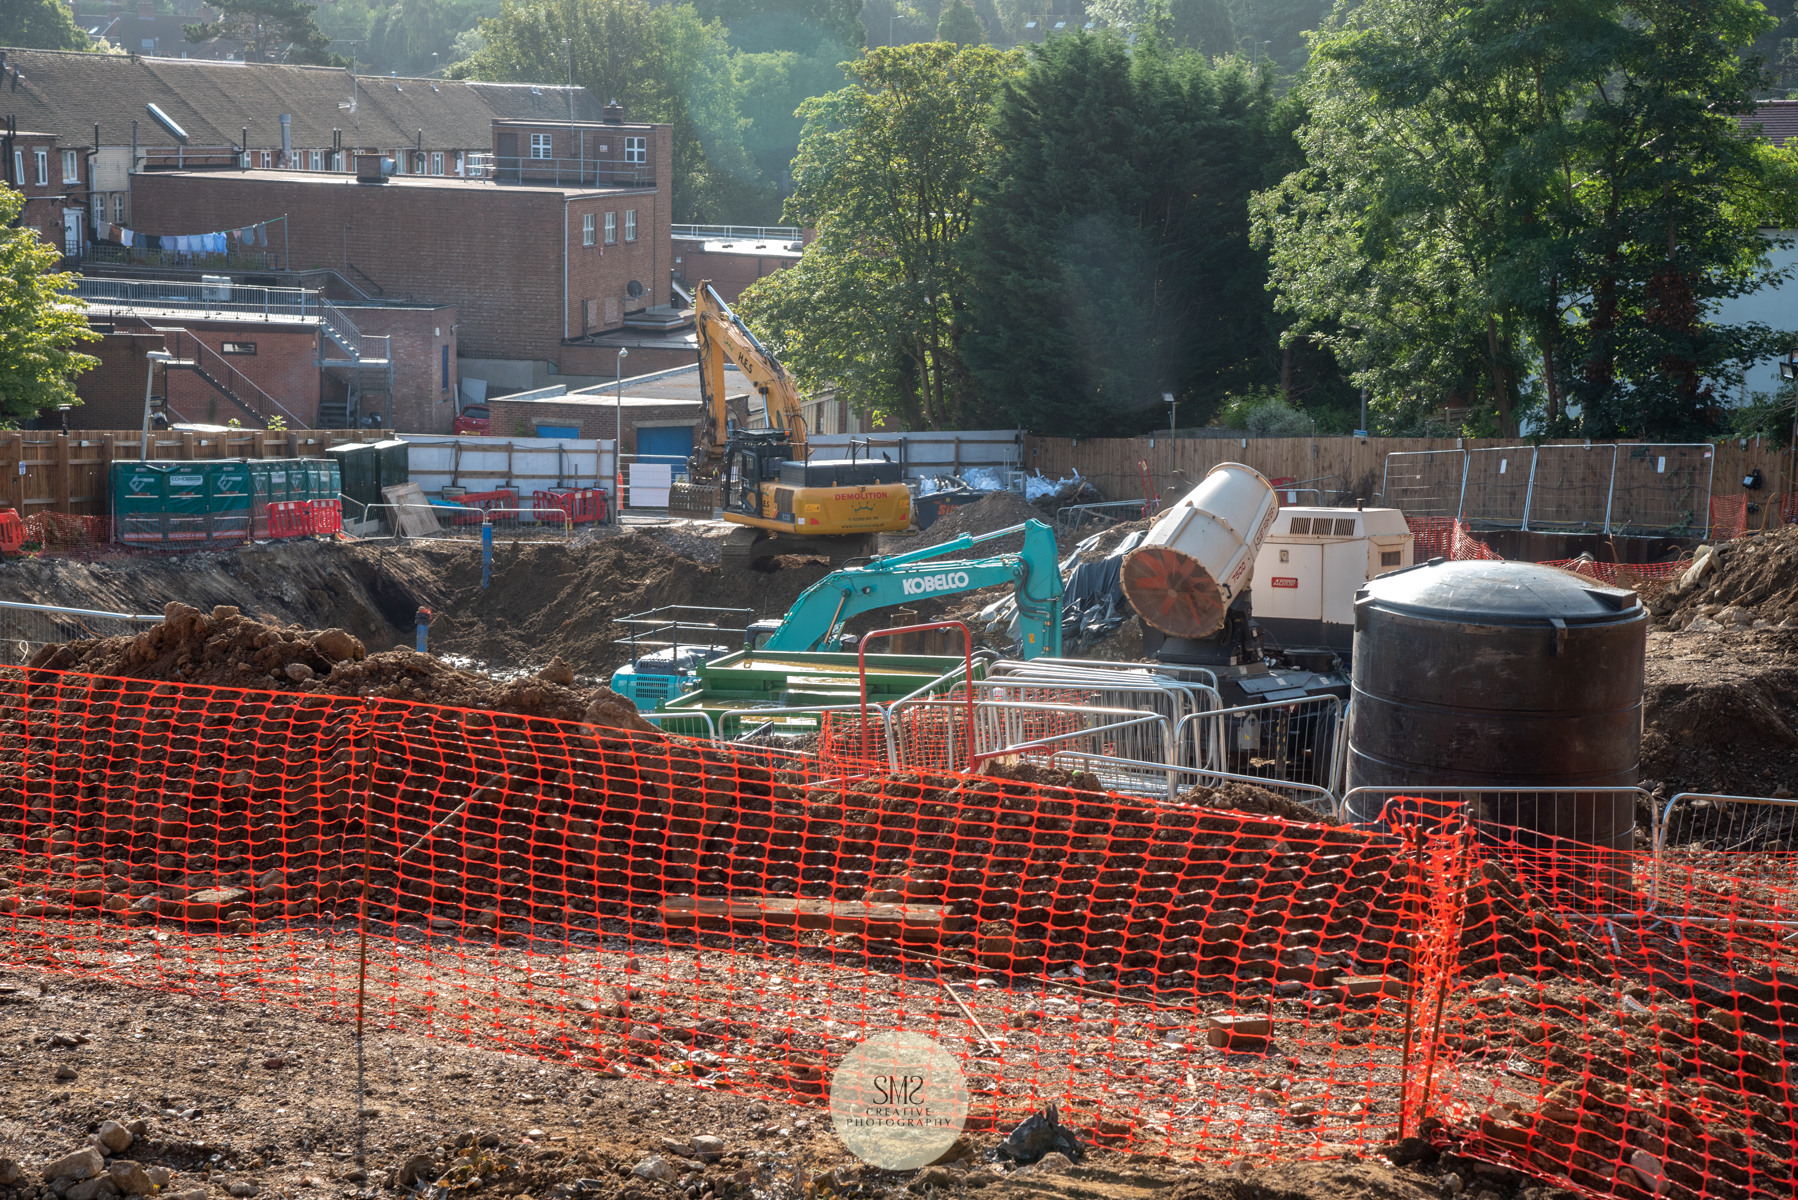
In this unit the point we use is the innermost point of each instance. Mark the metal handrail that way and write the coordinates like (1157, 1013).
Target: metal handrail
(523, 168)
(780, 233)
(1093, 508)
(182, 295)
(1219, 714)
(232, 375)
(135, 618)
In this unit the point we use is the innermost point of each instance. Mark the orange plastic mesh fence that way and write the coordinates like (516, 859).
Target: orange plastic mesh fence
(1444, 537)
(1619, 1050)
(1188, 981)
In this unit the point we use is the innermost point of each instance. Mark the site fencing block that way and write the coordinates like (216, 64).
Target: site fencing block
(1190, 981)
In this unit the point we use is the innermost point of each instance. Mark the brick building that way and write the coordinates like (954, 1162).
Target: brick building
(531, 263)
(732, 257)
(49, 176)
(244, 367)
(230, 116)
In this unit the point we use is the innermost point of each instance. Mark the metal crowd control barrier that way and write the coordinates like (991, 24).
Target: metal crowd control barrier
(1533, 825)
(1294, 740)
(1064, 523)
(27, 628)
(1318, 800)
(1726, 825)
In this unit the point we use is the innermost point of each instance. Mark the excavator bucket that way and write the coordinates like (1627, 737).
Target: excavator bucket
(699, 501)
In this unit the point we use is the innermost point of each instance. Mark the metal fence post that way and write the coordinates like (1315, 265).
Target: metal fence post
(486, 553)
(1529, 490)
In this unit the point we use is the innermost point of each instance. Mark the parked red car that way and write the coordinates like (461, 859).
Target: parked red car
(473, 419)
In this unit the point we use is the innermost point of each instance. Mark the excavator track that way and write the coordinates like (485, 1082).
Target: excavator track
(747, 545)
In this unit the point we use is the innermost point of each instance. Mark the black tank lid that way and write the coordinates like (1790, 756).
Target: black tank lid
(1492, 592)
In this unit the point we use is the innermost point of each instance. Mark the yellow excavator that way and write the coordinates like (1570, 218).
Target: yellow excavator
(764, 480)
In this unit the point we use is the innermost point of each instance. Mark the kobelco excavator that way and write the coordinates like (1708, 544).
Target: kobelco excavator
(764, 479)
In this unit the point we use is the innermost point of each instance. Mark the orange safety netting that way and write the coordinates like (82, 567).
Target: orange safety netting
(1194, 982)
(1445, 537)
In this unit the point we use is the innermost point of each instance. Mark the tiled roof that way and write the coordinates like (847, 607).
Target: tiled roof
(1778, 120)
(213, 101)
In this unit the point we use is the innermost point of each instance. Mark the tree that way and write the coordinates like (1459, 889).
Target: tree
(268, 28)
(1110, 244)
(1537, 202)
(770, 87)
(661, 63)
(960, 25)
(877, 305)
(40, 25)
(761, 26)
(38, 326)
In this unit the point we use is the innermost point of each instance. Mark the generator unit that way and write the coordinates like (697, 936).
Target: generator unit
(1310, 567)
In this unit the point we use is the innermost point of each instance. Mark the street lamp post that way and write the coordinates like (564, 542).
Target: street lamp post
(618, 446)
(154, 356)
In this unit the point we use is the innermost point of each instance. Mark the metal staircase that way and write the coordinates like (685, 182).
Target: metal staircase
(365, 366)
(220, 374)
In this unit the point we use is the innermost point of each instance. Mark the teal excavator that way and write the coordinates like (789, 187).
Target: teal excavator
(817, 617)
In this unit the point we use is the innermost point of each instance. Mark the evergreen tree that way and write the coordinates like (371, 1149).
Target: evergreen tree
(960, 25)
(1111, 239)
(282, 29)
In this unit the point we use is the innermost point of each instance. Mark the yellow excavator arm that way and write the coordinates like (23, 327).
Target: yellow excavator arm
(723, 335)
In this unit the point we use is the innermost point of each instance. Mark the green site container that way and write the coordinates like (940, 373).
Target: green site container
(392, 462)
(228, 500)
(137, 501)
(359, 477)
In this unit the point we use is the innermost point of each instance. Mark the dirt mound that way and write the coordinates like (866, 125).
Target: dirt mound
(1108, 539)
(1754, 578)
(995, 510)
(227, 649)
(1247, 798)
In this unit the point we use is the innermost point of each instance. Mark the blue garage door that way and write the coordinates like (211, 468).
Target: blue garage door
(671, 446)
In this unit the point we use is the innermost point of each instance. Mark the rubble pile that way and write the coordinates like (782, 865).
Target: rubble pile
(1748, 583)
(227, 649)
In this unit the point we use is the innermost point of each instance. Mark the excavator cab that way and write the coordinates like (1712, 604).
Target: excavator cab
(754, 457)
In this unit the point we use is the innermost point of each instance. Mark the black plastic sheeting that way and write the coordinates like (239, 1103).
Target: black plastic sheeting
(1092, 603)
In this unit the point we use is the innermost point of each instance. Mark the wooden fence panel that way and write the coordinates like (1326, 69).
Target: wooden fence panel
(1356, 466)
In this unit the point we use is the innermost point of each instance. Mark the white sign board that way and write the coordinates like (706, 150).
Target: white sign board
(649, 484)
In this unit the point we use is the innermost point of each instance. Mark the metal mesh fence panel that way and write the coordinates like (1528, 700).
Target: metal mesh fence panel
(1571, 491)
(1498, 486)
(1424, 483)
(1663, 489)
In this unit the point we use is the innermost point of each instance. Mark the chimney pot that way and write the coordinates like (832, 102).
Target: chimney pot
(613, 114)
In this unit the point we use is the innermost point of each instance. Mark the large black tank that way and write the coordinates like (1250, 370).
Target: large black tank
(1500, 675)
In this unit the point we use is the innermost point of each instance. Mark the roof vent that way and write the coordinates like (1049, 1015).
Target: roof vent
(373, 168)
(613, 114)
(168, 123)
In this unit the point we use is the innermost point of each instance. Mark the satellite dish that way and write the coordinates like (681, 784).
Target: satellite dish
(633, 289)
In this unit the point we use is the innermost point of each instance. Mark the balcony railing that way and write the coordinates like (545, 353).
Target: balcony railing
(139, 256)
(570, 172)
(197, 297)
(754, 233)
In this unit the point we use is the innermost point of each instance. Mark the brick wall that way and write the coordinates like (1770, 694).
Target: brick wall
(729, 272)
(595, 417)
(112, 394)
(44, 203)
(421, 403)
(285, 365)
(495, 252)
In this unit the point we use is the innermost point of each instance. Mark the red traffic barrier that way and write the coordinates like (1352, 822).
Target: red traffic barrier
(326, 515)
(577, 504)
(289, 518)
(12, 532)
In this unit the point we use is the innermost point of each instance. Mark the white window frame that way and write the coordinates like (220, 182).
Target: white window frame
(118, 208)
(71, 166)
(246, 159)
(611, 229)
(436, 162)
(461, 163)
(18, 167)
(540, 145)
(586, 229)
(636, 149)
(630, 224)
(43, 167)
(315, 159)
(268, 159)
